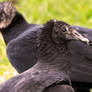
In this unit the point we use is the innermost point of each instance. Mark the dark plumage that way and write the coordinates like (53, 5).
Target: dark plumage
(22, 40)
(82, 65)
(13, 35)
(13, 38)
(53, 64)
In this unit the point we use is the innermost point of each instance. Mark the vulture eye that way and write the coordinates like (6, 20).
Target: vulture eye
(64, 30)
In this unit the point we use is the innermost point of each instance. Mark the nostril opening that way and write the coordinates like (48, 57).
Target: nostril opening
(77, 34)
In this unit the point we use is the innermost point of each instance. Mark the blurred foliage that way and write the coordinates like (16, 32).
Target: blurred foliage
(75, 12)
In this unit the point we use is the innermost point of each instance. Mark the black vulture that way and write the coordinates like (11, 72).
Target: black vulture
(20, 38)
(53, 64)
(18, 25)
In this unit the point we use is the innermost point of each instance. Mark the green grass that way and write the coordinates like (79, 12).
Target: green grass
(75, 12)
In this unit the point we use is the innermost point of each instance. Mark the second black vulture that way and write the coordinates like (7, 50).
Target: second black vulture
(20, 38)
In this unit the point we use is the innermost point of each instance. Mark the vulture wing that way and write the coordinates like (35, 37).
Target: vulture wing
(81, 59)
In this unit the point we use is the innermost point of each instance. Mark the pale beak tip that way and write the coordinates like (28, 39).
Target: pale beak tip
(86, 41)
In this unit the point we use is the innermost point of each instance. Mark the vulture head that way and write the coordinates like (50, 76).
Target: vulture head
(7, 13)
(54, 38)
(64, 31)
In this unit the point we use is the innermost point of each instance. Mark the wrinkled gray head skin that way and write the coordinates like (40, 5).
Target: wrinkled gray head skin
(62, 30)
(7, 13)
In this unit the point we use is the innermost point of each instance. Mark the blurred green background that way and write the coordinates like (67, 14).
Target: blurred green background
(75, 12)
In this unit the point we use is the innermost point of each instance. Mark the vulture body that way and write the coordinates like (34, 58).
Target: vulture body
(21, 41)
(15, 41)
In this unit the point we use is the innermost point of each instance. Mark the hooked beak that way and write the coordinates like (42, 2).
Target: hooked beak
(74, 34)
